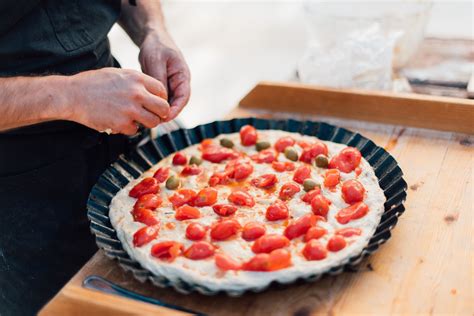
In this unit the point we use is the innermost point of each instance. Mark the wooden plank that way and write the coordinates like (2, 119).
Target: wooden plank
(440, 113)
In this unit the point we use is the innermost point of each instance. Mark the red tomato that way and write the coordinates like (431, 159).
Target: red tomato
(314, 250)
(331, 178)
(304, 144)
(242, 171)
(268, 243)
(226, 263)
(253, 230)
(182, 197)
(187, 212)
(225, 229)
(301, 174)
(276, 260)
(288, 190)
(264, 156)
(179, 159)
(358, 171)
(347, 160)
(284, 142)
(320, 205)
(199, 250)
(355, 211)
(205, 143)
(352, 191)
(241, 198)
(191, 170)
(277, 211)
(195, 231)
(313, 150)
(145, 216)
(309, 196)
(248, 135)
(205, 197)
(219, 178)
(162, 174)
(300, 226)
(281, 166)
(336, 243)
(349, 232)
(224, 209)
(150, 201)
(265, 181)
(315, 232)
(167, 250)
(218, 154)
(144, 235)
(146, 186)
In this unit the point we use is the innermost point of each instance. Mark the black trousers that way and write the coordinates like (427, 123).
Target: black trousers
(45, 180)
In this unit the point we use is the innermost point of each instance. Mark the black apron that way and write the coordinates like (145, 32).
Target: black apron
(47, 170)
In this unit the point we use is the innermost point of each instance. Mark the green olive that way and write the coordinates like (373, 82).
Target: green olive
(262, 145)
(291, 153)
(173, 183)
(321, 161)
(225, 142)
(195, 161)
(309, 184)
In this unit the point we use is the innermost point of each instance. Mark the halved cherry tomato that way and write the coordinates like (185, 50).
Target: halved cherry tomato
(320, 205)
(264, 156)
(187, 212)
(191, 170)
(219, 178)
(313, 150)
(253, 230)
(314, 250)
(288, 190)
(179, 159)
(195, 231)
(336, 243)
(218, 154)
(347, 160)
(205, 197)
(199, 250)
(205, 143)
(309, 196)
(352, 191)
(242, 171)
(265, 181)
(146, 186)
(268, 243)
(224, 209)
(248, 135)
(145, 216)
(358, 171)
(276, 260)
(315, 232)
(277, 211)
(162, 174)
(226, 263)
(241, 198)
(331, 178)
(281, 166)
(182, 197)
(144, 235)
(304, 144)
(355, 211)
(167, 250)
(349, 232)
(282, 143)
(301, 174)
(300, 226)
(225, 229)
(150, 201)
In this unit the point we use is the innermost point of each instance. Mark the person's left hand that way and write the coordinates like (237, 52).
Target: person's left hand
(161, 59)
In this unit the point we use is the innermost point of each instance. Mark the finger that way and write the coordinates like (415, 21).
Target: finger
(156, 105)
(147, 118)
(181, 94)
(155, 86)
(130, 128)
(158, 72)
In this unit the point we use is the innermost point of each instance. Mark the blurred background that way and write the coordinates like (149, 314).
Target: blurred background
(406, 46)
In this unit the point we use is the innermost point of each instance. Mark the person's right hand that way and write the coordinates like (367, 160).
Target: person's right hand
(116, 99)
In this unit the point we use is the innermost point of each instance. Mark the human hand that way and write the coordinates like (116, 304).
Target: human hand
(161, 59)
(116, 99)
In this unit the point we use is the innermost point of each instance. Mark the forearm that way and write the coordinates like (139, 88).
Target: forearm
(30, 100)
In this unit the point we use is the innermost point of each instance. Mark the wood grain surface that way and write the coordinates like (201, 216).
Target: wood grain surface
(425, 268)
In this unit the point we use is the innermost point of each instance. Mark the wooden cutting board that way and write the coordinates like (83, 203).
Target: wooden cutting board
(425, 268)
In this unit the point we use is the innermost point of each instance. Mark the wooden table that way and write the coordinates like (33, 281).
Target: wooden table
(425, 268)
